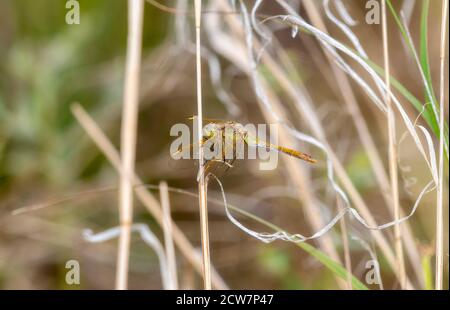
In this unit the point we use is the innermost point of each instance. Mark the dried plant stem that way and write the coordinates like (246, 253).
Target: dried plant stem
(392, 153)
(440, 191)
(128, 136)
(346, 248)
(168, 235)
(202, 186)
(146, 197)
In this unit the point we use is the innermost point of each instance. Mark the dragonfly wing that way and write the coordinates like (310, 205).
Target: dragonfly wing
(209, 120)
(189, 147)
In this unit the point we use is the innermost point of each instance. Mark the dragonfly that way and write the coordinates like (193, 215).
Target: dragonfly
(223, 137)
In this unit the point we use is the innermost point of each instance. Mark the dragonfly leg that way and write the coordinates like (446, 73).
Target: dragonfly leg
(209, 168)
(229, 164)
(223, 162)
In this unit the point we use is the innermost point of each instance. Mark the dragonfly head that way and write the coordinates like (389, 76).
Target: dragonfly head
(209, 130)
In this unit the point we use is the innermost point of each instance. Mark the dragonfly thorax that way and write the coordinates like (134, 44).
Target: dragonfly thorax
(210, 129)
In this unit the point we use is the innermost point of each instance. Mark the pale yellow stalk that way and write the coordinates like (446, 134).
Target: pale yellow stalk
(440, 190)
(128, 137)
(202, 186)
(393, 169)
(168, 235)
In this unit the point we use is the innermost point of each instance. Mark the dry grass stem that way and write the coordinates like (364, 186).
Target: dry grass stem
(440, 192)
(392, 152)
(128, 139)
(168, 235)
(202, 186)
(346, 248)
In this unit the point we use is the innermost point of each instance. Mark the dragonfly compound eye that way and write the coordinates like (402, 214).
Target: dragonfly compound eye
(209, 130)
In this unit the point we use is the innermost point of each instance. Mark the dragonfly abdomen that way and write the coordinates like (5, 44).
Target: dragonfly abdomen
(296, 154)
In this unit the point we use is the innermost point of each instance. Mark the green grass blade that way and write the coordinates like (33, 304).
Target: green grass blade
(424, 44)
(400, 25)
(427, 272)
(431, 118)
(334, 266)
(424, 62)
(427, 114)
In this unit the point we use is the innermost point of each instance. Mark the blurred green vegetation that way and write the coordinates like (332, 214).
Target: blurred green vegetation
(47, 65)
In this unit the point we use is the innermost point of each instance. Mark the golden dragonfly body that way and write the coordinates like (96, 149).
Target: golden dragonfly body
(224, 137)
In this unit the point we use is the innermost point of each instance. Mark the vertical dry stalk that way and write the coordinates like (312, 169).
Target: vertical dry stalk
(392, 154)
(168, 236)
(201, 182)
(128, 137)
(440, 191)
(346, 247)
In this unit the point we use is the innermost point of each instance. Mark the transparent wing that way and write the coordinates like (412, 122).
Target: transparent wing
(187, 149)
(210, 120)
